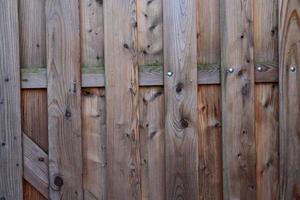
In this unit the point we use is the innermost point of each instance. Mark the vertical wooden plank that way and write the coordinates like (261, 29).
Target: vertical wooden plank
(122, 116)
(93, 103)
(237, 75)
(180, 69)
(64, 105)
(209, 102)
(150, 53)
(266, 100)
(152, 143)
(289, 77)
(150, 32)
(210, 142)
(92, 38)
(94, 143)
(33, 55)
(10, 104)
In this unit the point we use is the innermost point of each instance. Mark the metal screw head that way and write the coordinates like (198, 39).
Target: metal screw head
(230, 70)
(293, 69)
(169, 74)
(259, 68)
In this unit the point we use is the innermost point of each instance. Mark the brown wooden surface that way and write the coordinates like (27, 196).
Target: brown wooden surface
(265, 30)
(94, 144)
(64, 102)
(122, 115)
(289, 54)
(238, 122)
(209, 101)
(181, 136)
(11, 186)
(152, 143)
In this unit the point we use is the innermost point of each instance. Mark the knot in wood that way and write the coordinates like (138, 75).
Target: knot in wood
(184, 123)
(58, 181)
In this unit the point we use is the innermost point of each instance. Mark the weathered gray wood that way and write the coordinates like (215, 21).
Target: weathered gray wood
(289, 82)
(148, 75)
(35, 166)
(238, 122)
(64, 105)
(94, 143)
(11, 182)
(122, 115)
(152, 143)
(180, 83)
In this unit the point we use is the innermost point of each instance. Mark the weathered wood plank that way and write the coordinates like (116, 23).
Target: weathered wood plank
(209, 104)
(265, 27)
(94, 143)
(122, 116)
(238, 121)
(152, 143)
(210, 142)
(35, 166)
(64, 105)
(180, 83)
(149, 75)
(33, 57)
(289, 77)
(92, 30)
(10, 105)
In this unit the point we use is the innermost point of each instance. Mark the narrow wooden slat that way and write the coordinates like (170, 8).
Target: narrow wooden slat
(210, 142)
(152, 143)
(266, 100)
(122, 115)
(35, 166)
(238, 100)
(94, 143)
(33, 62)
(289, 81)
(64, 105)
(209, 100)
(93, 103)
(180, 83)
(10, 113)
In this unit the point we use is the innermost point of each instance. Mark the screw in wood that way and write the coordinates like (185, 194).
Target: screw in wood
(169, 74)
(230, 70)
(293, 69)
(259, 68)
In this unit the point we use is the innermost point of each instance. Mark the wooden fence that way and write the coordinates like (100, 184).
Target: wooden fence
(150, 99)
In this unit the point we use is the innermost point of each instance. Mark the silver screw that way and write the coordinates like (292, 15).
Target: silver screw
(293, 69)
(169, 74)
(230, 70)
(259, 68)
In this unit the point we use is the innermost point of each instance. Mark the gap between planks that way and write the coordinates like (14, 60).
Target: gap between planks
(150, 75)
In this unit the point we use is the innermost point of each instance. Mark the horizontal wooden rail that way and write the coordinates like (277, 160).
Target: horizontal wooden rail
(150, 75)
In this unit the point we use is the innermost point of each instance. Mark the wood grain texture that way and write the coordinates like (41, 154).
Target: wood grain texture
(92, 30)
(238, 122)
(64, 105)
(209, 100)
(35, 166)
(122, 115)
(181, 139)
(266, 116)
(94, 144)
(11, 170)
(150, 32)
(210, 142)
(265, 30)
(289, 54)
(152, 143)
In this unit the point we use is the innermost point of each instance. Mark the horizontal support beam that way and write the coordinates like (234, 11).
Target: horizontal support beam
(35, 166)
(150, 75)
